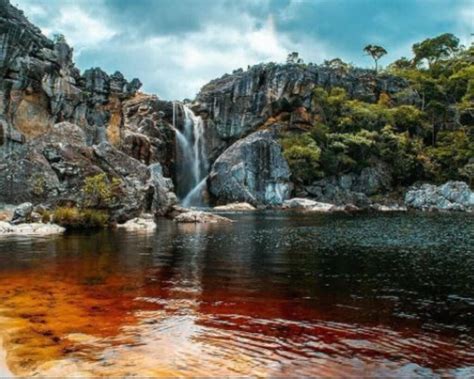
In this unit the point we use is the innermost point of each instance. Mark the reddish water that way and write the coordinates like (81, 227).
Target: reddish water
(272, 294)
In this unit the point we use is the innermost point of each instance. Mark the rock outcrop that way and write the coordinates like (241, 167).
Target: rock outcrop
(237, 104)
(40, 85)
(451, 196)
(351, 188)
(252, 170)
(52, 169)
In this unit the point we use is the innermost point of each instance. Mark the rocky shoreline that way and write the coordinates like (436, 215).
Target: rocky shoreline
(90, 150)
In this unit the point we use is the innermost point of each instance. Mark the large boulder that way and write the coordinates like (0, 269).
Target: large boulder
(451, 196)
(252, 170)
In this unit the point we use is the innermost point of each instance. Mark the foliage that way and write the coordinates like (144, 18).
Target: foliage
(99, 192)
(434, 49)
(73, 217)
(424, 132)
(302, 154)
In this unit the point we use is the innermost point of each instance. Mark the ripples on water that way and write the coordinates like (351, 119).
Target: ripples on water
(272, 294)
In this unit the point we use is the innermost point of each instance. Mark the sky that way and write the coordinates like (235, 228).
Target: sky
(176, 46)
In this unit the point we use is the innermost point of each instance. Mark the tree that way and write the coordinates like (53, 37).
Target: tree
(376, 52)
(434, 49)
(59, 38)
(337, 64)
(294, 58)
(402, 64)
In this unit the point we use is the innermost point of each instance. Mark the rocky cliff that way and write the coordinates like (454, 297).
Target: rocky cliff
(59, 126)
(239, 103)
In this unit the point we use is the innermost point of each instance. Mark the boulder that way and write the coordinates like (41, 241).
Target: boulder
(33, 229)
(138, 224)
(308, 205)
(164, 197)
(252, 170)
(235, 207)
(199, 217)
(451, 196)
(299, 203)
(22, 213)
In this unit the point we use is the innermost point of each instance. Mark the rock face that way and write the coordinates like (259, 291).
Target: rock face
(58, 127)
(237, 104)
(451, 196)
(351, 188)
(52, 169)
(252, 170)
(40, 85)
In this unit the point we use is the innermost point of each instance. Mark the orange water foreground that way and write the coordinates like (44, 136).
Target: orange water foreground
(180, 304)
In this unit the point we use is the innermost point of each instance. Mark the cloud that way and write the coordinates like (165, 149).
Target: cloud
(175, 47)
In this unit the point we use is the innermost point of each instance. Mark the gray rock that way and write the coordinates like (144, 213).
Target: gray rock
(164, 197)
(252, 170)
(237, 104)
(451, 196)
(33, 229)
(198, 217)
(22, 213)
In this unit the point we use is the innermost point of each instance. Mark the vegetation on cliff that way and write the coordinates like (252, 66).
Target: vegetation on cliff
(431, 139)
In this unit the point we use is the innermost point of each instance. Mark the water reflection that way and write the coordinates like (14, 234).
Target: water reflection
(272, 294)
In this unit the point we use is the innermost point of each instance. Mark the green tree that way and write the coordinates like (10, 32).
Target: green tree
(434, 49)
(376, 52)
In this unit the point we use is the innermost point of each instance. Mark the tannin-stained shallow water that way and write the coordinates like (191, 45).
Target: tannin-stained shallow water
(272, 294)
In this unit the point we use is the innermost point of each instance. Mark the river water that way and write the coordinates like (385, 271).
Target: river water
(272, 294)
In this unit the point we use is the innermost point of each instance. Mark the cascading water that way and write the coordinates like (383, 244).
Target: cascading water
(191, 162)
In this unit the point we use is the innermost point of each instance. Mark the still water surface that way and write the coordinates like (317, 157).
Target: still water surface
(273, 294)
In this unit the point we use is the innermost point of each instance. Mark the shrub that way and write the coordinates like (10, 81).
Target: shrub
(302, 154)
(73, 217)
(99, 192)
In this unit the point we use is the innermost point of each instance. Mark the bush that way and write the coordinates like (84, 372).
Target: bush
(302, 154)
(99, 192)
(73, 217)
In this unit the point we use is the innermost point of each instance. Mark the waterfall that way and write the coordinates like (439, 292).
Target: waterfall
(191, 160)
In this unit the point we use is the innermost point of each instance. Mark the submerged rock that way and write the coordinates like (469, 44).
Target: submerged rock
(33, 229)
(199, 217)
(451, 196)
(235, 207)
(252, 170)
